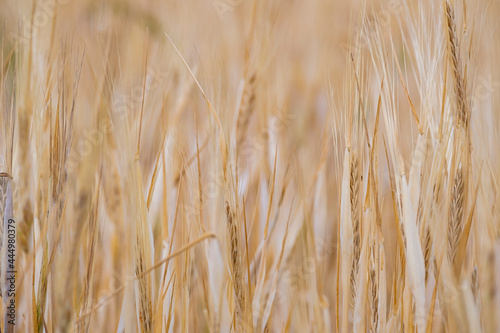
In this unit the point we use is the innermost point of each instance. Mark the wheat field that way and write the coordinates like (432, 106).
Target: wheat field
(249, 166)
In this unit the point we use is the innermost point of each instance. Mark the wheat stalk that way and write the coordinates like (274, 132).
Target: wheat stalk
(354, 186)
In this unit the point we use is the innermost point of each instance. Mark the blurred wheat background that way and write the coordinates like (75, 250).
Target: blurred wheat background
(251, 166)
